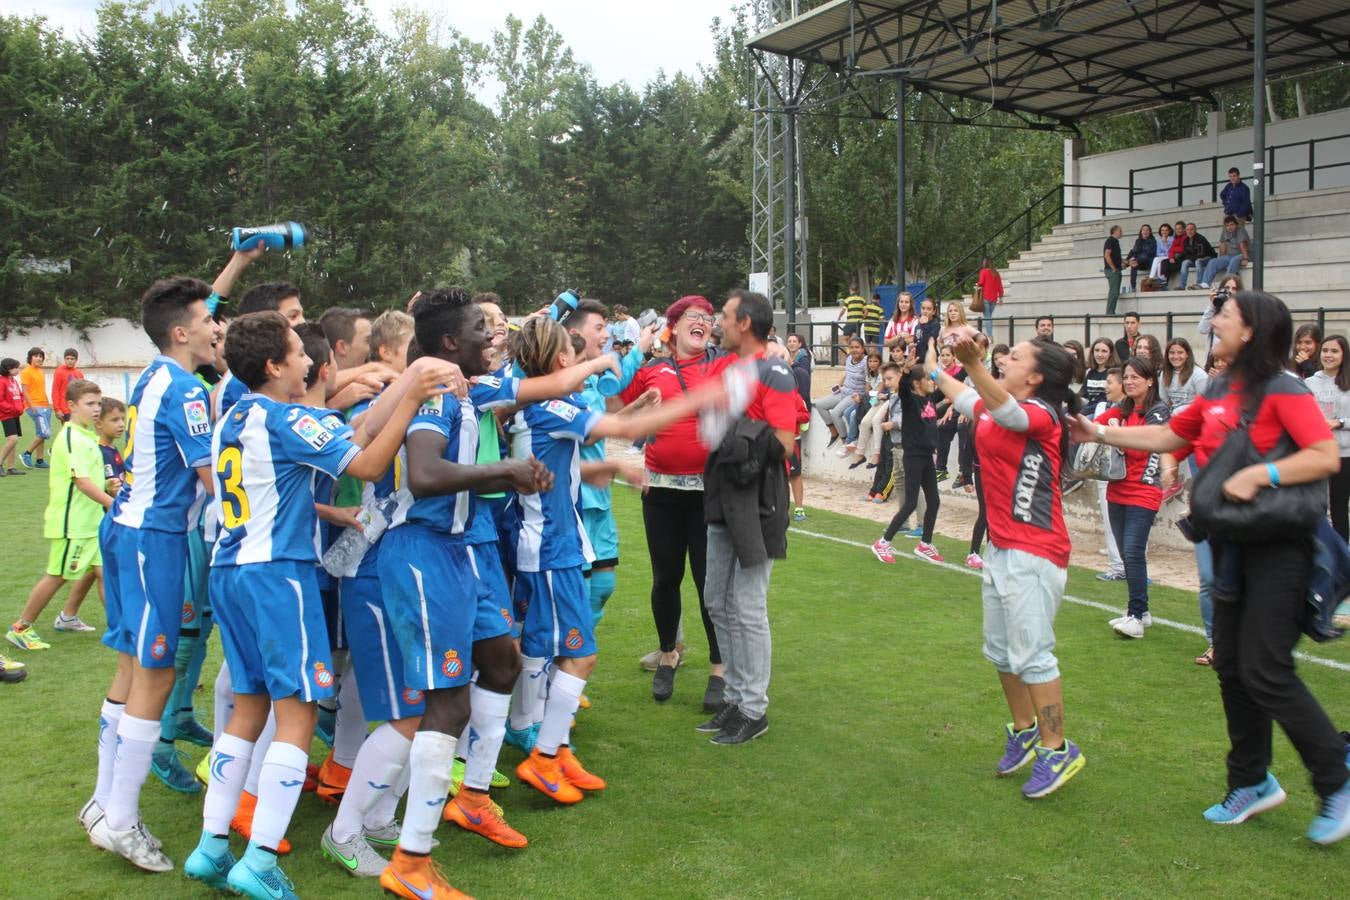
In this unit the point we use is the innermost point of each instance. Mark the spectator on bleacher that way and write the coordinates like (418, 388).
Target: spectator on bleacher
(1045, 327)
(1172, 264)
(882, 481)
(851, 310)
(1146, 346)
(1162, 247)
(801, 365)
(1101, 360)
(863, 407)
(1181, 378)
(1306, 341)
(1220, 290)
(1115, 395)
(1112, 262)
(1125, 345)
(1075, 349)
(929, 327)
(901, 324)
(955, 318)
(1236, 197)
(1196, 250)
(991, 290)
(1141, 254)
(869, 426)
(1331, 387)
(847, 394)
(873, 313)
(1234, 251)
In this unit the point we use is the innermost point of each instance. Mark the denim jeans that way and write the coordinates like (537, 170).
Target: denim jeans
(987, 319)
(1130, 525)
(1185, 269)
(1228, 263)
(1204, 566)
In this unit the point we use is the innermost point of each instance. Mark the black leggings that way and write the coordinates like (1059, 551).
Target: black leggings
(982, 520)
(884, 464)
(919, 473)
(945, 435)
(1339, 488)
(676, 529)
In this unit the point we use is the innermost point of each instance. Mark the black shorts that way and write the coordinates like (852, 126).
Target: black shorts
(795, 464)
(11, 426)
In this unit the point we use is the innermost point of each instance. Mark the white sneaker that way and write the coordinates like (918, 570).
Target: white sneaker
(73, 623)
(1118, 619)
(1148, 620)
(134, 845)
(356, 857)
(1130, 628)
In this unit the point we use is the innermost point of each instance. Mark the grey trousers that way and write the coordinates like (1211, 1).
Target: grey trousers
(737, 599)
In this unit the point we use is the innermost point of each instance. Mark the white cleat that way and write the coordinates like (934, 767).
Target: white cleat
(135, 845)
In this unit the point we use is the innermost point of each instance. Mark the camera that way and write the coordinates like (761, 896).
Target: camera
(1221, 297)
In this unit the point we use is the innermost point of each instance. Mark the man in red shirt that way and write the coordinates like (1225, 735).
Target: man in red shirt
(64, 375)
(991, 289)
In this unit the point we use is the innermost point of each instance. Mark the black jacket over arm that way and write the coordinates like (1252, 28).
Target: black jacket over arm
(745, 488)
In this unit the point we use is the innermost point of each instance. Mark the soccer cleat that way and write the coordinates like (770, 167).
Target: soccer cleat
(1242, 803)
(187, 728)
(544, 774)
(523, 739)
(1129, 627)
(741, 730)
(326, 725)
(583, 703)
(253, 877)
(387, 835)
(26, 638)
(417, 878)
(717, 722)
(928, 551)
(499, 780)
(242, 823)
(168, 767)
(210, 863)
(12, 671)
(333, 779)
(974, 561)
(133, 844)
(474, 811)
(70, 623)
(1052, 769)
(883, 551)
(576, 773)
(356, 857)
(203, 771)
(1019, 750)
(90, 813)
(1332, 822)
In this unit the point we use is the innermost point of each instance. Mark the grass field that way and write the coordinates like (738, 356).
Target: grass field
(875, 779)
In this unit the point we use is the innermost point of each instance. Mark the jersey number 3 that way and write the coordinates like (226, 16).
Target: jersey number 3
(233, 500)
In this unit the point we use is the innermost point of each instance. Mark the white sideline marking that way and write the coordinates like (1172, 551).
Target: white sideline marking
(1180, 626)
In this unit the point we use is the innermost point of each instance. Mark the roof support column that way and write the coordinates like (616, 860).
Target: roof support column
(1258, 143)
(900, 183)
(791, 207)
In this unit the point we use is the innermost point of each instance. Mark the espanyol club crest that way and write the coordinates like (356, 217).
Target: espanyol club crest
(412, 696)
(451, 665)
(573, 640)
(322, 677)
(160, 648)
(506, 616)
(188, 611)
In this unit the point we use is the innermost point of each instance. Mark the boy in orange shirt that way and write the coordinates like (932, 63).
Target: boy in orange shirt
(34, 385)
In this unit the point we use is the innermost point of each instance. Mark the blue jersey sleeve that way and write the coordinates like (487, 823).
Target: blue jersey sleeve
(562, 419)
(493, 391)
(187, 414)
(307, 442)
(436, 415)
(335, 422)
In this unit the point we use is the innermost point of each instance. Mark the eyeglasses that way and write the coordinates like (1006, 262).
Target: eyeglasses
(696, 317)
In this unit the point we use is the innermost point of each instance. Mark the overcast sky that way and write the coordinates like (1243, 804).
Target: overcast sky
(621, 40)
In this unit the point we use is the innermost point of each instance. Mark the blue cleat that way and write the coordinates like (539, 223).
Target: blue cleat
(187, 728)
(1053, 768)
(523, 739)
(257, 875)
(1332, 823)
(326, 726)
(1244, 802)
(168, 768)
(211, 862)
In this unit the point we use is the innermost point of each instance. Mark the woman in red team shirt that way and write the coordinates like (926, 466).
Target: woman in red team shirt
(1258, 624)
(1021, 432)
(1132, 502)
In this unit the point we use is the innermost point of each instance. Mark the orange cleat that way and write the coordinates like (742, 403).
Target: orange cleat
(242, 823)
(576, 773)
(333, 779)
(417, 878)
(584, 702)
(311, 779)
(474, 811)
(545, 775)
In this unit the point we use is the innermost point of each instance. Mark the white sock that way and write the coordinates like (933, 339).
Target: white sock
(136, 740)
(108, 719)
(564, 696)
(260, 746)
(487, 727)
(279, 785)
(385, 809)
(230, 757)
(430, 759)
(224, 699)
(527, 706)
(349, 732)
(462, 745)
(383, 757)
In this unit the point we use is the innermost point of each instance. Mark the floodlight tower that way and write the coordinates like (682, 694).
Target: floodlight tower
(777, 222)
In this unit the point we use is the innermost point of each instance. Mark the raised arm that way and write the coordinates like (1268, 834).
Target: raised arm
(564, 381)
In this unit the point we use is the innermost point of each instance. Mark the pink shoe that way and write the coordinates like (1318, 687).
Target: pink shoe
(1171, 492)
(883, 551)
(928, 551)
(973, 561)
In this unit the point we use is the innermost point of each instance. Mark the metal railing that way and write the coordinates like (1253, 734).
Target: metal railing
(1213, 167)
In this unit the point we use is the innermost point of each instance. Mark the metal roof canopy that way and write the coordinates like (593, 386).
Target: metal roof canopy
(1062, 60)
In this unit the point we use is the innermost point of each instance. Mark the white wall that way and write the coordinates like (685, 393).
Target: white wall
(1234, 149)
(112, 352)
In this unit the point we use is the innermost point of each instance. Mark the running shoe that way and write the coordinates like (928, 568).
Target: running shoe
(12, 671)
(1332, 822)
(132, 844)
(167, 766)
(798, 514)
(1244, 802)
(543, 773)
(523, 739)
(576, 773)
(257, 875)
(27, 638)
(1111, 575)
(211, 862)
(70, 623)
(333, 779)
(1169, 493)
(41, 464)
(1129, 627)
(474, 811)
(928, 551)
(1053, 768)
(356, 857)
(883, 551)
(499, 780)
(187, 728)
(242, 823)
(1019, 750)
(942, 475)
(974, 561)
(417, 878)
(26, 459)
(914, 533)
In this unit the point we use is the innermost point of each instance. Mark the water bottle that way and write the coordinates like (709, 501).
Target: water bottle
(281, 236)
(343, 559)
(564, 305)
(648, 317)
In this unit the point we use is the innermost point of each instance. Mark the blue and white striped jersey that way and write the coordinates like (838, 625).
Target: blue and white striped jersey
(267, 462)
(551, 536)
(228, 391)
(168, 436)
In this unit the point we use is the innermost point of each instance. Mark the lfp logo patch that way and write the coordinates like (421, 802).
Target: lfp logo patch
(412, 696)
(311, 432)
(197, 418)
(452, 665)
(160, 648)
(573, 640)
(322, 677)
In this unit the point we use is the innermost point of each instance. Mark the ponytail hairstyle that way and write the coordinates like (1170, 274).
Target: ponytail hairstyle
(1146, 370)
(538, 346)
(1056, 368)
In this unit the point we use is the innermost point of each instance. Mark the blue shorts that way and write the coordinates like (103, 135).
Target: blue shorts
(272, 629)
(559, 621)
(144, 591)
(42, 421)
(437, 605)
(376, 659)
(604, 536)
(490, 573)
(333, 613)
(196, 596)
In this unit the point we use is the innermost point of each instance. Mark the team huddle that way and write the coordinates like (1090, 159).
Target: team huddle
(414, 543)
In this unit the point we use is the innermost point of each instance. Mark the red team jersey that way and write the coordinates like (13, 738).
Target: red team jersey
(1019, 471)
(1287, 407)
(1142, 484)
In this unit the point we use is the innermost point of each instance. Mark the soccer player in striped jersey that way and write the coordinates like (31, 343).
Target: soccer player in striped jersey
(266, 458)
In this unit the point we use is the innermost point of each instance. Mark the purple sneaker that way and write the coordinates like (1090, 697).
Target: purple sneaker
(1053, 768)
(1021, 748)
